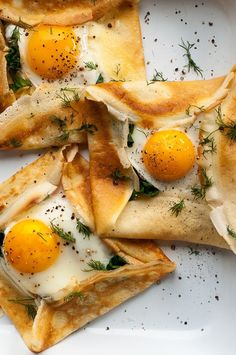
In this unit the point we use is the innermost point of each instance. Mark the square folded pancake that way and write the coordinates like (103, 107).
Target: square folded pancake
(69, 12)
(44, 318)
(109, 49)
(127, 206)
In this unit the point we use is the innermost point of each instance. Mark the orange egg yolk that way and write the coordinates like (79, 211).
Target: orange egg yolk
(31, 246)
(52, 51)
(169, 155)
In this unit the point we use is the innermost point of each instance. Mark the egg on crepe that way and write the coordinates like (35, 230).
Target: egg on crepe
(55, 273)
(169, 185)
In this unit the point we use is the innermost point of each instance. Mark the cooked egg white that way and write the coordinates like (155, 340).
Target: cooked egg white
(160, 172)
(60, 54)
(72, 259)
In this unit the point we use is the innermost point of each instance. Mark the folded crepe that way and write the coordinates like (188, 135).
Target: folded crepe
(69, 12)
(175, 210)
(109, 49)
(45, 309)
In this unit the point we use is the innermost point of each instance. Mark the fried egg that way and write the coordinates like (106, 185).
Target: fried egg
(56, 53)
(38, 260)
(166, 158)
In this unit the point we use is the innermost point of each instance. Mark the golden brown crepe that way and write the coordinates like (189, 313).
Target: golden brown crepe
(220, 126)
(152, 218)
(65, 312)
(158, 104)
(69, 12)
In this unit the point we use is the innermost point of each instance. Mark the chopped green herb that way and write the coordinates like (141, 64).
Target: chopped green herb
(200, 108)
(58, 121)
(177, 208)
(40, 234)
(115, 262)
(199, 192)
(191, 63)
(130, 141)
(193, 252)
(89, 128)
(62, 234)
(83, 229)
(29, 305)
(100, 79)
(231, 232)
(229, 129)
(90, 65)
(95, 265)
(19, 82)
(2, 236)
(145, 190)
(73, 295)
(158, 76)
(117, 176)
(64, 136)
(209, 144)
(13, 54)
(14, 142)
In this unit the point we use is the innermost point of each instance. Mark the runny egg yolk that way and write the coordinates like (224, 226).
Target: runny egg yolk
(52, 51)
(31, 246)
(169, 155)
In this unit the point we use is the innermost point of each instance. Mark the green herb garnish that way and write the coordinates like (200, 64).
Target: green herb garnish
(177, 208)
(58, 121)
(100, 79)
(19, 82)
(73, 295)
(158, 76)
(90, 65)
(229, 129)
(130, 140)
(199, 192)
(83, 229)
(231, 232)
(117, 176)
(95, 265)
(200, 108)
(114, 263)
(191, 63)
(13, 54)
(89, 128)
(62, 234)
(14, 142)
(145, 190)
(29, 305)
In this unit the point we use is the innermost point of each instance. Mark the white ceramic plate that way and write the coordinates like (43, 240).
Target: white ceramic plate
(193, 311)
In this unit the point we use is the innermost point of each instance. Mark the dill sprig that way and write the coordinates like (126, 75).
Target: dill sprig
(200, 108)
(66, 100)
(177, 208)
(13, 54)
(187, 46)
(83, 229)
(72, 295)
(231, 232)
(114, 263)
(89, 128)
(229, 129)
(199, 191)
(95, 265)
(117, 176)
(15, 143)
(62, 234)
(29, 305)
(90, 65)
(209, 144)
(158, 76)
(58, 121)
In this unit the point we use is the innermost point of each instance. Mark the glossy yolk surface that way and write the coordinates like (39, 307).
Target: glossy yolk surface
(31, 246)
(169, 155)
(52, 51)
